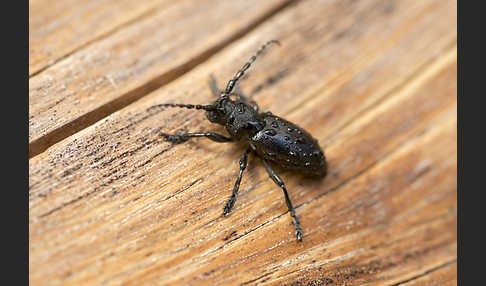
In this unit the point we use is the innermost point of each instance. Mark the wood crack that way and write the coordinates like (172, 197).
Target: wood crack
(425, 273)
(95, 39)
(44, 142)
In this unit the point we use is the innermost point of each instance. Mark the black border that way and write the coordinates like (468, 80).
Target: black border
(15, 60)
(459, 141)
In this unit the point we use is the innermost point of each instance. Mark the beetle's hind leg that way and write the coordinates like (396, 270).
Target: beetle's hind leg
(276, 178)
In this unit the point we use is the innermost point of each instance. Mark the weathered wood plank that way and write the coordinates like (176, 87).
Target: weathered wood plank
(396, 213)
(114, 71)
(410, 56)
(57, 28)
(442, 275)
(361, 203)
(116, 204)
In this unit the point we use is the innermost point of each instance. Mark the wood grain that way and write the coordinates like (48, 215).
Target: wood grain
(58, 28)
(373, 81)
(117, 70)
(442, 275)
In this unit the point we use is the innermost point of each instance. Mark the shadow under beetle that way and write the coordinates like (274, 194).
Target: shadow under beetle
(273, 139)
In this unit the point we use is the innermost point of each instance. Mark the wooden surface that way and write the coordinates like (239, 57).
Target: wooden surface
(112, 203)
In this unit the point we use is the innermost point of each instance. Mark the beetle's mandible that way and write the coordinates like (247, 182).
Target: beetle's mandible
(272, 138)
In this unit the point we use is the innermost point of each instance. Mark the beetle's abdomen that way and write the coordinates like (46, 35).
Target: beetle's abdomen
(289, 146)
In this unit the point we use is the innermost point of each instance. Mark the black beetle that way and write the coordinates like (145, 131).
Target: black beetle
(274, 139)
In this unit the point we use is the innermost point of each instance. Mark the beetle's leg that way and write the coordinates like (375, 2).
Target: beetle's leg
(179, 138)
(214, 86)
(232, 199)
(241, 72)
(275, 177)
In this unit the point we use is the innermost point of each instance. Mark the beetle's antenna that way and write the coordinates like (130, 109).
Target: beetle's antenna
(189, 106)
(240, 73)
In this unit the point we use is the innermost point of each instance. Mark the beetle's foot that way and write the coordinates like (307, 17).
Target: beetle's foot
(298, 234)
(228, 206)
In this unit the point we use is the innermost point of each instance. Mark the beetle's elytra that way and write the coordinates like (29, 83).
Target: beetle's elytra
(272, 138)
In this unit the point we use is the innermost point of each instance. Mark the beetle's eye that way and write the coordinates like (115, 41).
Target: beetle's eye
(212, 116)
(231, 120)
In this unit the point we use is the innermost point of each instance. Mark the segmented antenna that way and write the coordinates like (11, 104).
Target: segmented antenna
(240, 73)
(189, 106)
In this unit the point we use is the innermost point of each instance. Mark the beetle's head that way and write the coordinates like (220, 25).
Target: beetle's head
(218, 114)
(237, 117)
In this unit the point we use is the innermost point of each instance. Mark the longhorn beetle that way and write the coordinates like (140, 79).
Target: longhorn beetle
(272, 138)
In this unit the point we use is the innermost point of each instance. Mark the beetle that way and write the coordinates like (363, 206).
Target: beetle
(275, 140)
